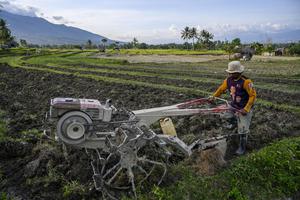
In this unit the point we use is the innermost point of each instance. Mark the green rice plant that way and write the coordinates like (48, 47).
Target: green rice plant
(73, 188)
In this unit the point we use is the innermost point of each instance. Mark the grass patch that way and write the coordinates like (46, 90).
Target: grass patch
(271, 173)
(73, 189)
(72, 59)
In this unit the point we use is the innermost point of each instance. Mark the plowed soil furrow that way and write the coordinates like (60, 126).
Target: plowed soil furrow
(280, 97)
(209, 73)
(31, 93)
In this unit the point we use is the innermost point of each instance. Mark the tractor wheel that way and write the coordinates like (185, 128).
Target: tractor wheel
(71, 127)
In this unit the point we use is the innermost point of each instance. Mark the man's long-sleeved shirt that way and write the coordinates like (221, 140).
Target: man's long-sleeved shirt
(241, 90)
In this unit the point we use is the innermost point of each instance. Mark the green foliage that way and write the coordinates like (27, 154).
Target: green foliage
(236, 42)
(273, 172)
(230, 47)
(161, 194)
(269, 48)
(5, 196)
(73, 188)
(205, 39)
(5, 33)
(135, 42)
(234, 193)
(295, 49)
(23, 43)
(31, 134)
(185, 33)
(258, 47)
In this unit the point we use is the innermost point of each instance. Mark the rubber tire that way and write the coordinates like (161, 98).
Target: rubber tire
(60, 124)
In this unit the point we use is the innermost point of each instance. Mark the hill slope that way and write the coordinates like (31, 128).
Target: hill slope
(39, 31)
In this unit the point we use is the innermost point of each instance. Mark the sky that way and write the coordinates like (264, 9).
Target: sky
(161, 21)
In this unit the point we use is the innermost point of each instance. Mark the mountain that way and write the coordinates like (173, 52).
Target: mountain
(37, 30)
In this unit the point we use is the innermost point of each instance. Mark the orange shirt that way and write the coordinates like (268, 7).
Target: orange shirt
(247, 86)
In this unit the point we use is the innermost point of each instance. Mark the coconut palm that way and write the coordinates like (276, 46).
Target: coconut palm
(205, 38)
(193, 33)
(185, 33)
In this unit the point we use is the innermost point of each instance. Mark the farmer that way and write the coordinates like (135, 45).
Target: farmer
(243, 96)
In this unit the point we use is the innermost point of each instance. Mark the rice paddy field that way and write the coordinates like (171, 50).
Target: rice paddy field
(29, 78)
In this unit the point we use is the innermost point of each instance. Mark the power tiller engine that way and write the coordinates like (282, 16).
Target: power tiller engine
(117, 140)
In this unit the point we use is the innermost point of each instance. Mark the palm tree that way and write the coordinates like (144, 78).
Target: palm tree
(193, 33)
(205, 37)
(185, 33)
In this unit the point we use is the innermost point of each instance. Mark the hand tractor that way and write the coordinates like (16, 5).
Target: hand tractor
(125, 151)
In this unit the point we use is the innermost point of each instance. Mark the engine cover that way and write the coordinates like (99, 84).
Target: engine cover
(92, 107)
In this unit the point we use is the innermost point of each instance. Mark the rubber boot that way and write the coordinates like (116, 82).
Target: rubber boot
(242, 147)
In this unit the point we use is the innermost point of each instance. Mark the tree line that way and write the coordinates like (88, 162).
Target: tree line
(194, 40)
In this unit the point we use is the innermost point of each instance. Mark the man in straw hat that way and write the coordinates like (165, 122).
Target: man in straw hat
(243, 96)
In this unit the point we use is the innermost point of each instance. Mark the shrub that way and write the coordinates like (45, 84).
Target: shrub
(295, 49)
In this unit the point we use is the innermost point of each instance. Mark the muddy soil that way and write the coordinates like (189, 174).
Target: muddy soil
(268, 94)
(199, 71)
(38, 169)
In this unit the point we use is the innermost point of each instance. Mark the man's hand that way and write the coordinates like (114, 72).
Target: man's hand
(243, 112)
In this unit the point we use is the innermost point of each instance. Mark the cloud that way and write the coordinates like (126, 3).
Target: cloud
(153, 36)
(58, 18)
(223, 29)
(174, 30)
(11, 7)
(171, 33)
(2, 3)
(61, 20)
